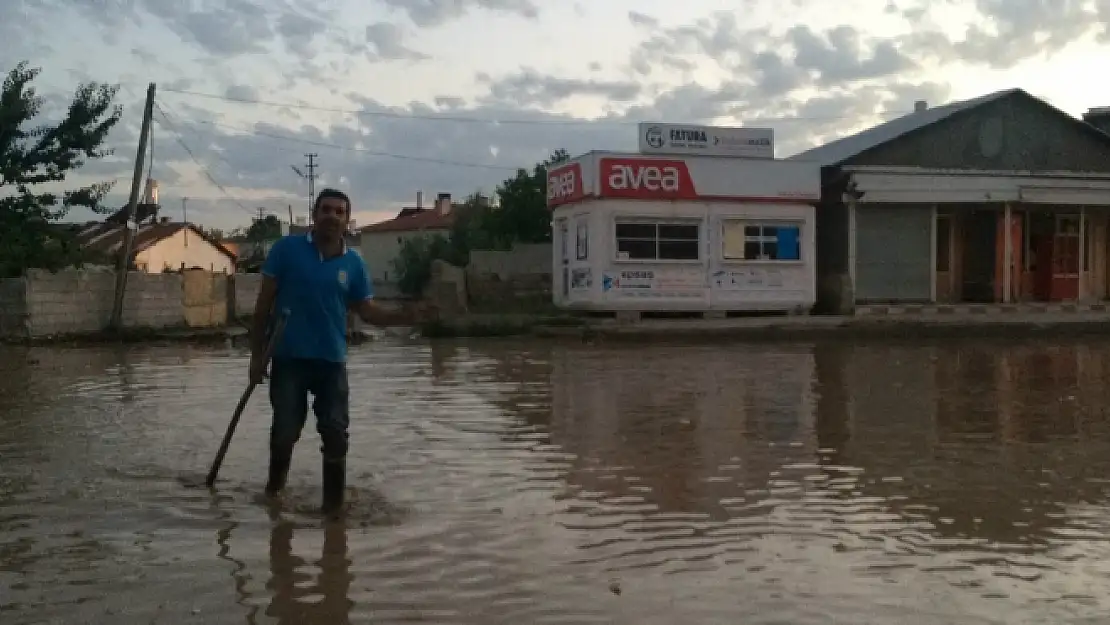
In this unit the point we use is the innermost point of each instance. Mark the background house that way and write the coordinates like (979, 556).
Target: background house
(381, 242)
(159, 246)
(1001, 198)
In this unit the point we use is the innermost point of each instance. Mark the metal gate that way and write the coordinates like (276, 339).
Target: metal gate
(894, 256)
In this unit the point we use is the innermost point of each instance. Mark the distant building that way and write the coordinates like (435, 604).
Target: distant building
(381, 242)
(1000, 199)
(160, 246)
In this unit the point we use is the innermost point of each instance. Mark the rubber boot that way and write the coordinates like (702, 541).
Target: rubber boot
(279, 471)
(335, 478)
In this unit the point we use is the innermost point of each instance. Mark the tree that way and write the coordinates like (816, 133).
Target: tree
(413, 264)
(523, 216)
(34, 164)
(215, 234)
(266, 229)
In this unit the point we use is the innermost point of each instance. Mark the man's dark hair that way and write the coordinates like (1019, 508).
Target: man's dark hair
(335, 194)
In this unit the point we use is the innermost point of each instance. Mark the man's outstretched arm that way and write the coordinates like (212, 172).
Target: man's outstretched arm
(375, 314)
(370, 311)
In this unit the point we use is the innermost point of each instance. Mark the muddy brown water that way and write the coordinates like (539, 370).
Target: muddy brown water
(513, 482)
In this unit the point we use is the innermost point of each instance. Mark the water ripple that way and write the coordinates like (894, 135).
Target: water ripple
(506, 482)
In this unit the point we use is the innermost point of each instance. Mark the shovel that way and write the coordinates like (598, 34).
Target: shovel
(275, 336)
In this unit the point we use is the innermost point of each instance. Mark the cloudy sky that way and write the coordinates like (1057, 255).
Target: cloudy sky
(398, 96)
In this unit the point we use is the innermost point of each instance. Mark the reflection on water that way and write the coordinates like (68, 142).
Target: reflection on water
(505, 482)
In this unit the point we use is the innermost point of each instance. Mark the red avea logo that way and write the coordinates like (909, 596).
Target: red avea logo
(646, 178)
(564, 185)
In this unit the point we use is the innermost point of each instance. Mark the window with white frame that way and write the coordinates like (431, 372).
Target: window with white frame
(744, 239)
(658, 240)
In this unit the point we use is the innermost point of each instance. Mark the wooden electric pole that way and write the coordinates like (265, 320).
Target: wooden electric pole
(124, 263)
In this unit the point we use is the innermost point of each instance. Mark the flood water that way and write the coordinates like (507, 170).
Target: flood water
(513, 482)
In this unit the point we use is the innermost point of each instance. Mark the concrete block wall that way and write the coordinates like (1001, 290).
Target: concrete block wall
(79, 301)
(204, 299)
(70, 301)
(152, 300)
(13, 307)
(522, 260)
(245, 289)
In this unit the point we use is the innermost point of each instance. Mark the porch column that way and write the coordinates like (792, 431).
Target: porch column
(1081, 293)
(852, 249)
(1007, 253)
(933, 259)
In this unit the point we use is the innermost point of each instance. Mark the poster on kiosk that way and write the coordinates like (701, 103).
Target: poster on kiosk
(684, 232)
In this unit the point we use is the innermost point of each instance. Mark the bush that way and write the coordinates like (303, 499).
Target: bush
(413, 264)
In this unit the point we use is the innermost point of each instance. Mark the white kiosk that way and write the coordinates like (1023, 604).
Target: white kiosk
(685, 232)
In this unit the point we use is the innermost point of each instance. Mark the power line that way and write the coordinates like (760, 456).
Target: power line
(351, 148)
(475, 120)
(203, 169)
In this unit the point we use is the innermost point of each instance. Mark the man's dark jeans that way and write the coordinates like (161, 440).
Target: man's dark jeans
(291, 381)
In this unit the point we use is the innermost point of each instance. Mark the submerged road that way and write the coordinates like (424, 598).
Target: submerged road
(526, 482)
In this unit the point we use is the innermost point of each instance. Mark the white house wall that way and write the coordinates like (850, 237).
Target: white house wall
(379, 249)
(186, 248)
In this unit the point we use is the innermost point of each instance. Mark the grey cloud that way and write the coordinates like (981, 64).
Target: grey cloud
(1015, 30)
(220, 28)
(429, 13)
(386, 43)
(455, 154)
(842, 55)
(241, 92)
(642, 19)
(530, 88)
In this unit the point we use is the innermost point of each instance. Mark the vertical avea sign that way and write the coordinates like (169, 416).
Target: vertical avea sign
(564, 185)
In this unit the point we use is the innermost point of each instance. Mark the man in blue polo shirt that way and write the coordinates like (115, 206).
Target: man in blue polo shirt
(316, 280)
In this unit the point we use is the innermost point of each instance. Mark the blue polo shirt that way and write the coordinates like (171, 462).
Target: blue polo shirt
(317, 293)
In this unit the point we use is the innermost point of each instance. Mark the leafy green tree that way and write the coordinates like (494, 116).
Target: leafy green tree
(34, 164)
(522, 216)
(265, 229)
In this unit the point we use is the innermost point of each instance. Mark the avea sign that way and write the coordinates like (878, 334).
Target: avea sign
(646, 178)
(564, 185)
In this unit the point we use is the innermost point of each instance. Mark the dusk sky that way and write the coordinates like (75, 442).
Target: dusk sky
(452, 96)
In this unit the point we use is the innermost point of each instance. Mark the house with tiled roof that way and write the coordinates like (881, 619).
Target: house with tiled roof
(158, 244)
(381, 242)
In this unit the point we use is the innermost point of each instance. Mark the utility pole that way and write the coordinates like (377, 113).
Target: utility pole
(124, 263)
(290, 215)
(260, 210)
(185, 219)
(311, 182)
